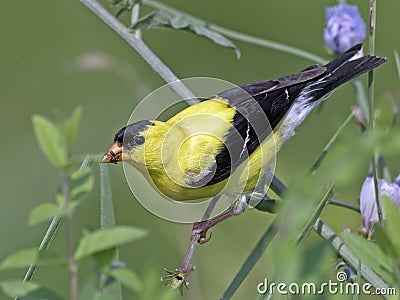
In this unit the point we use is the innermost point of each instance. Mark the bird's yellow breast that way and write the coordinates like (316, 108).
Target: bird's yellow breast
(188, 144)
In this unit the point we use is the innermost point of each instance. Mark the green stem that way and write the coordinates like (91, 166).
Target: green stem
(252, 259)
(371, 98)
(329, 235)
(141, 48)
(45, 244)
(73, 268)
(344, 204)
(241, 36)
(361, 96)
(50, 234)
(107, 220)
(322, 229)
(314, 217)
(332, 140)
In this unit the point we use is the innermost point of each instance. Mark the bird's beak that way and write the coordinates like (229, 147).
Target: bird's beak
(114, 154)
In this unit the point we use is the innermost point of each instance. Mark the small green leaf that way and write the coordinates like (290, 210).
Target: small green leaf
(112, 291)
(369, 254)
(50, 141)
(81, 183)
(26, 257)
(43, 212)
(17, 288)
(104, 258)
(20, 259)
(103, 239)
(27, 290)
(71, 127)
(107, 218)
(397, 60)
(384, 242)
(128, 278)
(392, 224)
(159, 19)
(216, 37)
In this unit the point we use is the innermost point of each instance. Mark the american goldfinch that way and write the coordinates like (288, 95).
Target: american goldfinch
(232, 135)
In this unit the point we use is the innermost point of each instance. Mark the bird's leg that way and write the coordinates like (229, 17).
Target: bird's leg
(200, 228)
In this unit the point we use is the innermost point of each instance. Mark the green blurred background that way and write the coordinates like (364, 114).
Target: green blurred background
(41, 71)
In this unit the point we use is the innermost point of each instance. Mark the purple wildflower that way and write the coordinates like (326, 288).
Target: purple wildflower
(368, 208)
(344, 27)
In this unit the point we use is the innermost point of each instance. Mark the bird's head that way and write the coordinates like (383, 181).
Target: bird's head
(129, 144)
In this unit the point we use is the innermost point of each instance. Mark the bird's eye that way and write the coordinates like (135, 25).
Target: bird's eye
(139, 140)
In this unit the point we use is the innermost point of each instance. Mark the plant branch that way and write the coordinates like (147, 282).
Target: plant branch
(73, 268)
(241, 36)
(331, 141)
(45, 244)
(141, 48)
(344, 204)
(329, 235)
(371, 98)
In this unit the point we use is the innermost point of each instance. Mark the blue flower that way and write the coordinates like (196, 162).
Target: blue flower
(368, 208)
(344, 28)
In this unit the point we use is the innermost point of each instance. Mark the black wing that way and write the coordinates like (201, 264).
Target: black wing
(259, 106)
(272, 99)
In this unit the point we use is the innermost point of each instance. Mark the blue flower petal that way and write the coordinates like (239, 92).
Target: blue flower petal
(345, 28)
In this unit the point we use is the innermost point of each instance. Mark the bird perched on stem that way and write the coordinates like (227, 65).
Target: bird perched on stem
(223, 144)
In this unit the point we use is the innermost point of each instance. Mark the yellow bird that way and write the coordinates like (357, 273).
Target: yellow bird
(223, 144)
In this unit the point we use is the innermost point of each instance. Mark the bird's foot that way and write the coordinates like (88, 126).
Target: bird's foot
(199, 230)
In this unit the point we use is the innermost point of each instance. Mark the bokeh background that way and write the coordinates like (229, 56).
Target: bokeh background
(44, 69)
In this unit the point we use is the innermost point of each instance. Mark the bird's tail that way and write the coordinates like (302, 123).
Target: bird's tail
(345, 68)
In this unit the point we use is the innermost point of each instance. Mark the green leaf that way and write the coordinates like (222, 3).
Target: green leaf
(43, 212)
(107, 219)
(392, 225)
(104, 258)
(107, 238)
(50, 141)
(160, 19)
(20, 259)
(81, 183)
(27, 257)
(128, 278)
(27, 290)
(384, 241)
(369, 254)
(17, 288)
(71, 127)
(397, 60)
(216, 37)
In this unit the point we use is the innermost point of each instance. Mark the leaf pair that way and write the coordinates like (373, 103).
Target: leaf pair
(56, 141)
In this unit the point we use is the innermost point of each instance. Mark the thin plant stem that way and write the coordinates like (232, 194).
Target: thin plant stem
(241, 36)
(361, 96)
(344, 204)
(73, 268)
(371, 98)
(322, 229)
(252, 259)
(367, 273)
(50, 234)
(314, 217)
(45, 244)
(107, 220)
(143, 50)
(331, 141)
